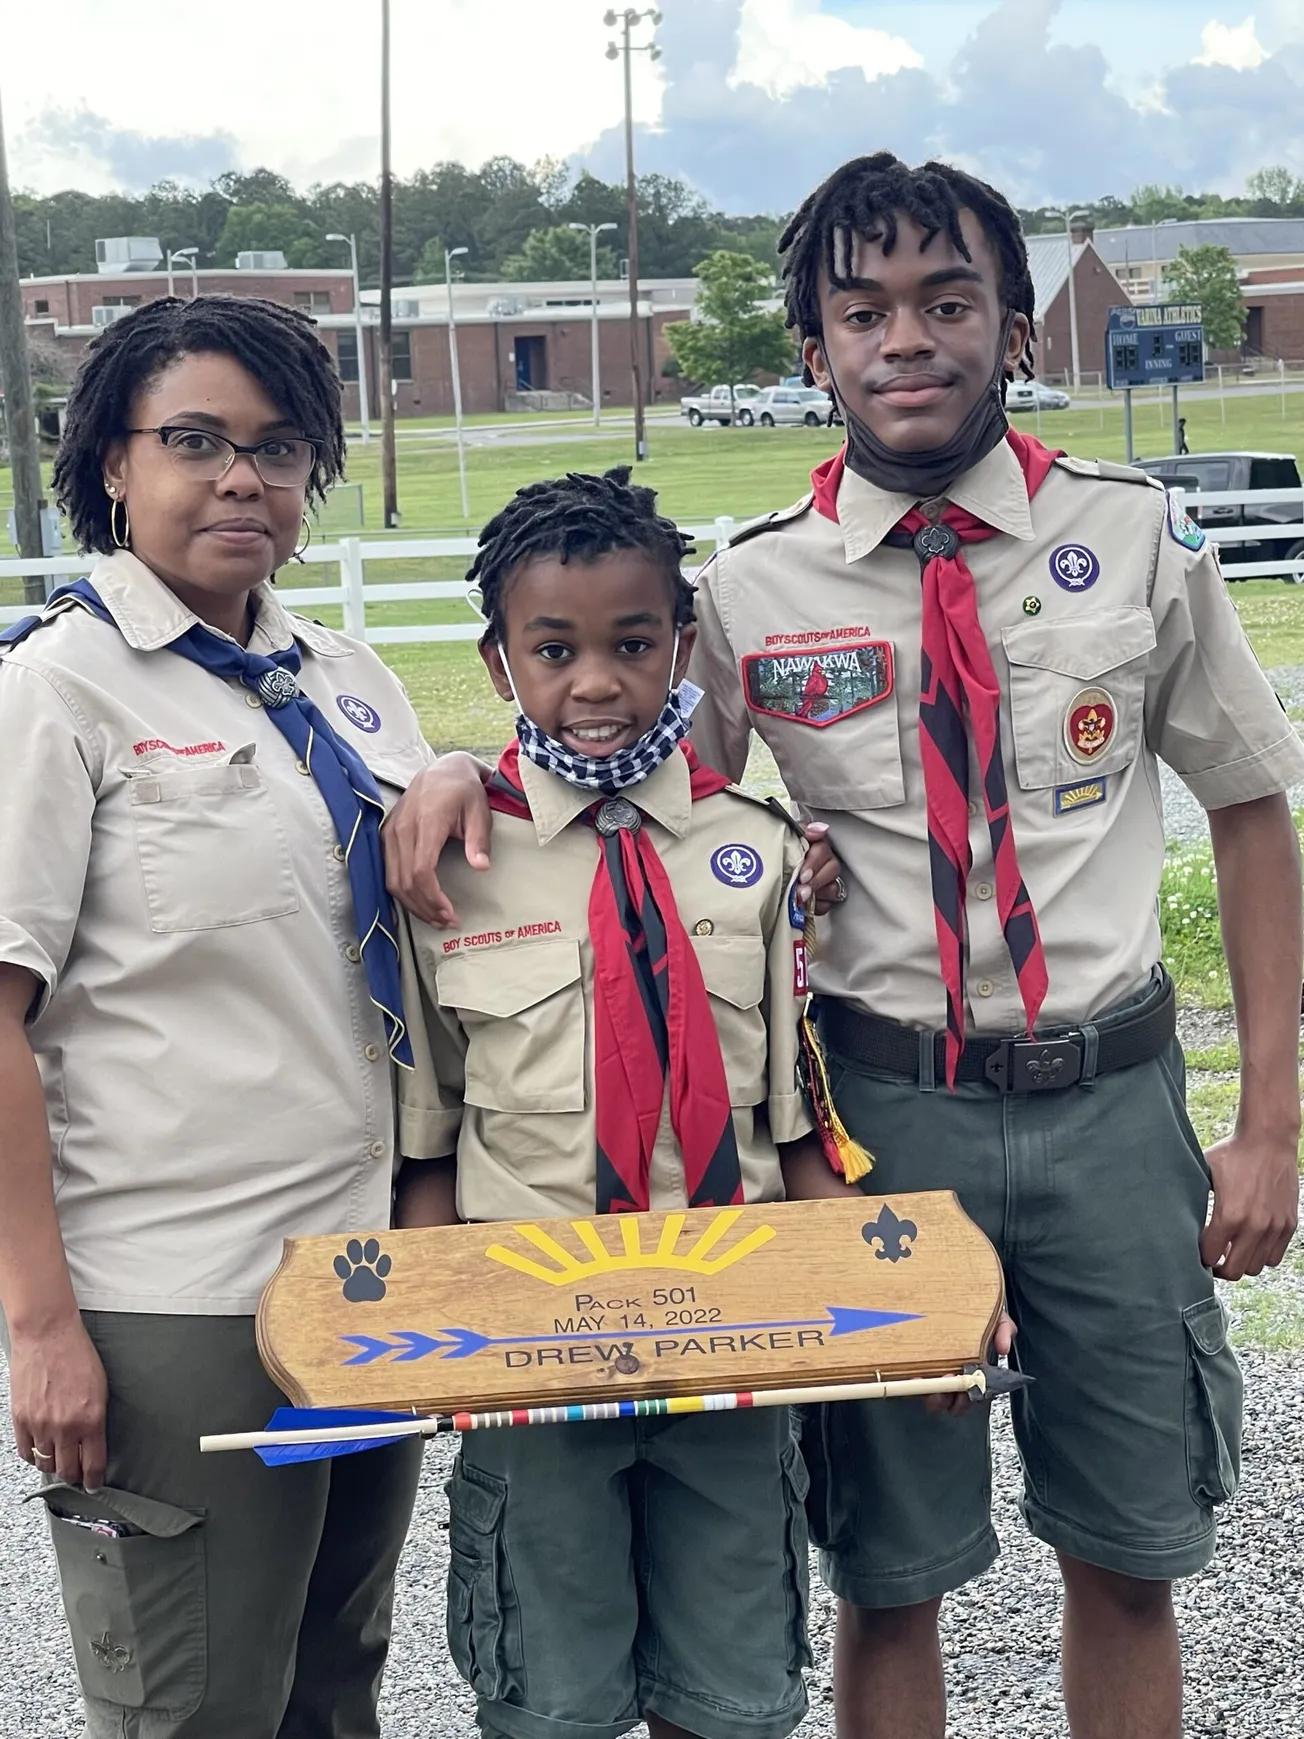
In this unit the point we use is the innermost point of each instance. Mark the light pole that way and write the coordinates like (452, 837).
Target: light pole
(595, 230)
(191, 254)
(363, 407)
(627, 20)
(450, 254)
(1073, 293)
(385, 386)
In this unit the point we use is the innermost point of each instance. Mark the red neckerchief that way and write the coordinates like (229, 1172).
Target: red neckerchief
(652, 1016)
(958, 682)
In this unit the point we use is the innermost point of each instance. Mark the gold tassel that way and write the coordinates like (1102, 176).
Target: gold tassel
(845, 1155)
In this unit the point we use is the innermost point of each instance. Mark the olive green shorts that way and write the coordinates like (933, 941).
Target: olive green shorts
(1095, 1198)
(601, 1571)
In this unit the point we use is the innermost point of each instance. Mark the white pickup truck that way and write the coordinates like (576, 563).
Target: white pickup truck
(716, 406)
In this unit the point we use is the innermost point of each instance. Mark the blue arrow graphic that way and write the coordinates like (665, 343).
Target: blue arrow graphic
(461, 1343)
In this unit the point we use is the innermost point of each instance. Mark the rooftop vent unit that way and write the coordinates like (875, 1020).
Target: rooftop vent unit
(505, 307)
(105, 316)
(407, 308)
(260, 261)
(128, 253)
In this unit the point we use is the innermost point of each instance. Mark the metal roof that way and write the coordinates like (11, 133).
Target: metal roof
(1048, 261)
(1243, 236)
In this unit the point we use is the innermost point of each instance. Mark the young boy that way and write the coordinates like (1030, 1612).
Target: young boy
(612, 1026)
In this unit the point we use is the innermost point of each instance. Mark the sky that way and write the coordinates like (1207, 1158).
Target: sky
(751, 101)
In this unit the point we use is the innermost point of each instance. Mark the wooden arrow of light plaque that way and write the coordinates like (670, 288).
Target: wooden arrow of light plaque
(517, 1314)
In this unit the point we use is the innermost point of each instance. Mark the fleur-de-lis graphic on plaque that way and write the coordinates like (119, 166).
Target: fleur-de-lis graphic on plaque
(894, 1237)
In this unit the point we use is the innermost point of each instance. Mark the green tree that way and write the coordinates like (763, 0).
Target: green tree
(1152, 203)
(430, 267)
(1274, 186)
(554, 256)
(732, 338)
(1207, 275)
(271, 228)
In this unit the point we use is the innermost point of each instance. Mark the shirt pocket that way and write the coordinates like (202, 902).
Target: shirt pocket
(522, 1010)
(213, 851)
(849, 761)
(1081, 681)
(733, 969)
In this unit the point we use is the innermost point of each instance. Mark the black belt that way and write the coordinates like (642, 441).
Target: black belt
(1035, 1065)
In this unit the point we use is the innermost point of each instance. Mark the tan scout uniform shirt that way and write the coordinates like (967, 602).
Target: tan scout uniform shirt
(1087, 593)
(501, 1012)
(215, 1072)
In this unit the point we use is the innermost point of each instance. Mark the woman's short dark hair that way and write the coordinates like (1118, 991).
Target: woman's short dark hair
(278, 345)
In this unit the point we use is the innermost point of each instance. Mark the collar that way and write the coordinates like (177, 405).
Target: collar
(665, 795)
(149, 614)
(994, 490)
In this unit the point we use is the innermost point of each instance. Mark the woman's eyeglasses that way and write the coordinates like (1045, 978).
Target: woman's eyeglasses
(282, 461)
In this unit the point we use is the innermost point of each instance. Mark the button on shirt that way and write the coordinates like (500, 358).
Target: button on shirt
(809, 634)
(213, 1065)
(501, 1012)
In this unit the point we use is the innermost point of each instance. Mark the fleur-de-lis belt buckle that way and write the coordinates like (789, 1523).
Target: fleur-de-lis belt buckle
(1043, 1070)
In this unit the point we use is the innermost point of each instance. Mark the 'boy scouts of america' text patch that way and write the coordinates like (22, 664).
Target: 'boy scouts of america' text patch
(1182, 526)
(818, 688)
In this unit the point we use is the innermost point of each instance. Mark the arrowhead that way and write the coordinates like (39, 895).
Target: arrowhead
(465, 1342)
(845, 1321)
(372, 1349)
(419, 1346)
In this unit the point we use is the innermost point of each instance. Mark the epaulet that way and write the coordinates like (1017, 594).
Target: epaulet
(782, 517)
(1106, 470)
(786, 816)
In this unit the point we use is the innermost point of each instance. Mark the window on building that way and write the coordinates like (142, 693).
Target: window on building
(42, 307)
(346, 355)
(313, 301)
(119, 301)
(402, 355)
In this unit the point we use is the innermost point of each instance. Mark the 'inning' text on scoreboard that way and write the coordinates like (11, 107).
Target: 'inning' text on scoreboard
(1162, 345)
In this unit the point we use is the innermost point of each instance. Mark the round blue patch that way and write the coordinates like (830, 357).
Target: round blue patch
(1074, 567)
(358, 713)
(737, 866)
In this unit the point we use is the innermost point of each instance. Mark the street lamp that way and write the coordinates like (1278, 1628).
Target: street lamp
(450, 254)
(191, 254)
(1073, 291)
(595, 230)
(627, 20)
(363, 406)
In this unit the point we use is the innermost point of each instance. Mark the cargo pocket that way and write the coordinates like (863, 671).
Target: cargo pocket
(830, 1518)
(137, 1604)
(796, 1489)
(1213, 1405)
(484, 1629)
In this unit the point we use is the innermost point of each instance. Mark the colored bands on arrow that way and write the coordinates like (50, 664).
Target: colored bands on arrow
(460, 1343)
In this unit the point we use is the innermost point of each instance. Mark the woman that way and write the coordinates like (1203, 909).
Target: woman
(198, 1008)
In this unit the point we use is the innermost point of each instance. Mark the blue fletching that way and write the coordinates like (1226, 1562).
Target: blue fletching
(319, 1419)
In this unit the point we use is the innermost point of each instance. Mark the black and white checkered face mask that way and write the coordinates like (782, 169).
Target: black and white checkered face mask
(609, 774)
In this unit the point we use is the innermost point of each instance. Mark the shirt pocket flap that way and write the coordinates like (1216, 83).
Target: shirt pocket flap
(1084, 648)
(500, 983)
(733, 968)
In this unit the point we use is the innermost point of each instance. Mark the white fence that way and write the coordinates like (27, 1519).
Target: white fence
(355, 597)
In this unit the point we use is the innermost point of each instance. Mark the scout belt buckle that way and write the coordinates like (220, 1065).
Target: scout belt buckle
(1034, 1065)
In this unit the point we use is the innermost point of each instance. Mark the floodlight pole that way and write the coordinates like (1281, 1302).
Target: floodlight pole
(627, 21)
(1073, 297)
(385, 386)
(16, 380)
(595, 366)
(363, 407)
(191, 254)
(450, 254)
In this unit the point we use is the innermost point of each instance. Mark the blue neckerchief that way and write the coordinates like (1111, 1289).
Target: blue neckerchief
(342, 777)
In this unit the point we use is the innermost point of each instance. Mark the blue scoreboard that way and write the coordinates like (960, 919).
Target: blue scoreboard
(1160, 345)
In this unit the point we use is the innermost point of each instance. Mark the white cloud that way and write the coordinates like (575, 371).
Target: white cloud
(783, 44)
(1232, 45)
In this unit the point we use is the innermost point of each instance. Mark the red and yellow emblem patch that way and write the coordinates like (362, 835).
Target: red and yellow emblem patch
(818, 688)
(1089, 724)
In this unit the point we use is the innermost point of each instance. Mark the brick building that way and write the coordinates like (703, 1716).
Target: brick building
(1096, 289)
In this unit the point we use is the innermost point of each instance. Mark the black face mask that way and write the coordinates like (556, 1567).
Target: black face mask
(929, 471)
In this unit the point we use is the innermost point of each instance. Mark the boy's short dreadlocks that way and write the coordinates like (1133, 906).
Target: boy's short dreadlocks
(862, 198)
(278, 345)
(578, 517)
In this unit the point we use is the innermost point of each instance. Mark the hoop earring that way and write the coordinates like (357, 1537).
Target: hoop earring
(121, 540)
(297, 555)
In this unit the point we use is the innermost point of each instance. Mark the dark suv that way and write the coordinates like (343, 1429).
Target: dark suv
(1208, 472)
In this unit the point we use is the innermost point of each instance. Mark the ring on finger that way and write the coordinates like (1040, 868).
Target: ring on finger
(837, 891)
(42, 1454)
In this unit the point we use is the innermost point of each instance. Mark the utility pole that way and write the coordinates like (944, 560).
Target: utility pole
(15, 378)
(385, 385)
(627, 20)
(595, 362)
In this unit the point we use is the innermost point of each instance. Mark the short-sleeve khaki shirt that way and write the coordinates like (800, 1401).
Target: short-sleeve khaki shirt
(1092, 598)
(215, 1073)
(500, 1011)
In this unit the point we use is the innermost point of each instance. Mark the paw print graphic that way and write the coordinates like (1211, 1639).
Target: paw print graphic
(362, 1268)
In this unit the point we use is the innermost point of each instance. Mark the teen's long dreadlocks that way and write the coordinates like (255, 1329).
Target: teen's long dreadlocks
(578, 517)
(862, 198)
(278, 345)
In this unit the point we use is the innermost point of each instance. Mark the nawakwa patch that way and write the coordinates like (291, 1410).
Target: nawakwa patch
(818, 688)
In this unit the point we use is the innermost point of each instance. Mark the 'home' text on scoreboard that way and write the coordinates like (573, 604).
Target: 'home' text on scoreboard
(1154, 346)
